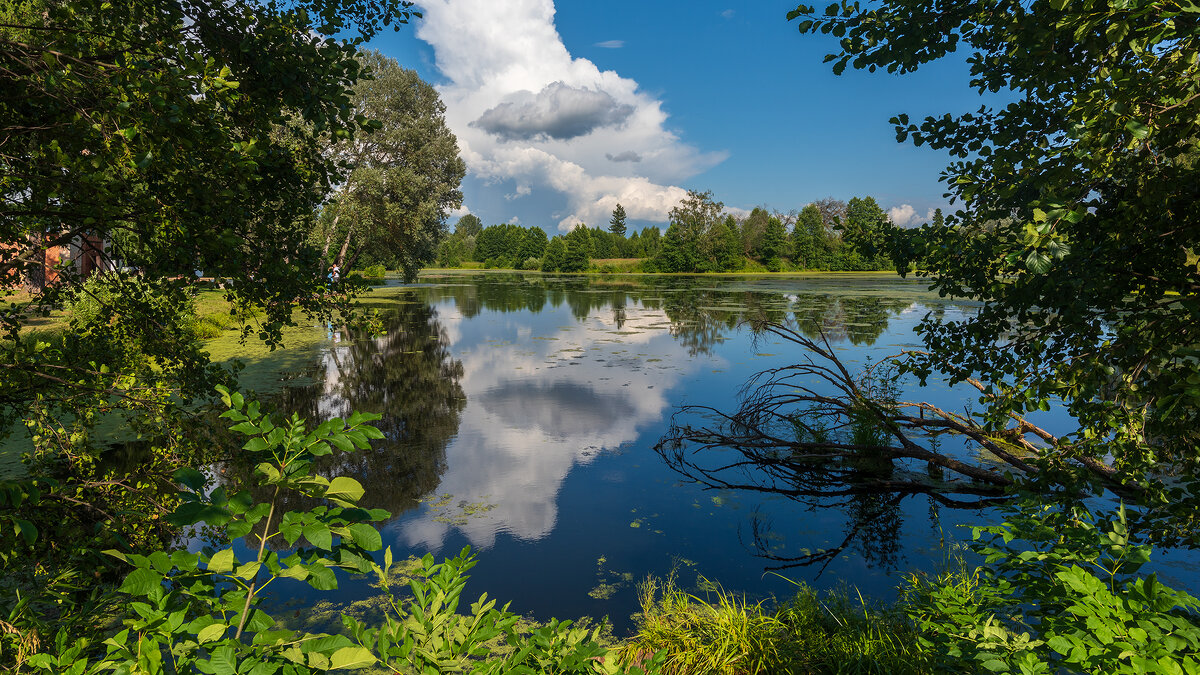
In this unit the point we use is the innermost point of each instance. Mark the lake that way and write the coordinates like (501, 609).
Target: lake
(521, 414)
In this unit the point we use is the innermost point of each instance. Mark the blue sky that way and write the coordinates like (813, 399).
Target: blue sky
(564, 108)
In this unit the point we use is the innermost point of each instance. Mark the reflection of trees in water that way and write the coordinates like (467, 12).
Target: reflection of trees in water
(406, 375)
(860, 320)
(695, 323)
(700, 311)
(493, 292)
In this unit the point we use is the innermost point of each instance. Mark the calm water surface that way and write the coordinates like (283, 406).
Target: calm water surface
(521, 414)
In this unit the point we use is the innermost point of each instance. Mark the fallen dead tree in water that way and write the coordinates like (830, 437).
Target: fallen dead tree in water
(824, 435)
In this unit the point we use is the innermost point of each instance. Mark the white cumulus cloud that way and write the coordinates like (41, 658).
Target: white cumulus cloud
(905, 215)
(525, 110)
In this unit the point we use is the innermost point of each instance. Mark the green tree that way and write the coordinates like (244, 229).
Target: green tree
(469, 225)
(578, 250)
(729, 247)
(651, 239)
(186, 136)
(676, 253)
(774, 245)
(808, 239)
(939, 221)
(605, 244)
(451, 252)
(195, 138)
(863, 229)
(533, 244)
(688, 243)
(634, 246)
(406, 173)
(555, 255)
(617, 224)
(1069, 233)
(490, 243)
(753, 229)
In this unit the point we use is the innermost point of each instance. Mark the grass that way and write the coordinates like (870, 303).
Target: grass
(725, 634)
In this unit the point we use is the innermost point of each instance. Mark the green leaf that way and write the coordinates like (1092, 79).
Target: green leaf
(191, 513)
(211, 633)
(351, 657)
(190, 478)
(222, 561)
(321, 578)
(141, 582)
(223, 661)
(257, 444)
(318, 535)
(26, 529)
(248, 571)
(345, 489)
(366, 536)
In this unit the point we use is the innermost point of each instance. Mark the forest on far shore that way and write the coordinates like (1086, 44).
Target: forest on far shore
(828, 234)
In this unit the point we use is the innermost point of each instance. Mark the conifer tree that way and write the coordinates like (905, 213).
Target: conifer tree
(617, 224)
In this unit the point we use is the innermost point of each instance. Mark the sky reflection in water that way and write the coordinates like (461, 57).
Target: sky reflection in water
(521, 414)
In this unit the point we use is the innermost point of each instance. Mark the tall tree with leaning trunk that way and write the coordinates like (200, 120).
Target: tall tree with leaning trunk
(406, 173)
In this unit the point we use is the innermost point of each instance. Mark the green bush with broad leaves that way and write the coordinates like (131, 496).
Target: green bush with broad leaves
(374, 272)
(201, 612)
(1059, 592)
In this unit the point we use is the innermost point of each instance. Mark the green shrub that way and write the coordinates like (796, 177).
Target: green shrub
(212, 325)
(1059, 593)
(92, 301)
(374, 272)
(531, 263)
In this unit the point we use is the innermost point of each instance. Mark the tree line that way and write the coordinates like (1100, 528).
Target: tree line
(828, 234)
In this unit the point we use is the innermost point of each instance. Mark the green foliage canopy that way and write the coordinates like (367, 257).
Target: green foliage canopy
(1077, 200)
(190, 137)
(578, 250)
(406, 172)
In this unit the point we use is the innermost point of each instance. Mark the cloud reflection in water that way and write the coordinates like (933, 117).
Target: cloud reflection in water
(538, 405)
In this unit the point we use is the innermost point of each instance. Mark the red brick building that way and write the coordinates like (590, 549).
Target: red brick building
(85, 254)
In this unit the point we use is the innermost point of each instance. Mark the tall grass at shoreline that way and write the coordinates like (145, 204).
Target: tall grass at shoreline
(724, 633)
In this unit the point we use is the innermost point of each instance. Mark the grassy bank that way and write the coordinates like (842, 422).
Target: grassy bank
(704, 631)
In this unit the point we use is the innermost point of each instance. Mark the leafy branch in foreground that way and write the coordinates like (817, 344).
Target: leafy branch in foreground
(1076, 230)
(158, 139)
(201, 611)
(1059, 591)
